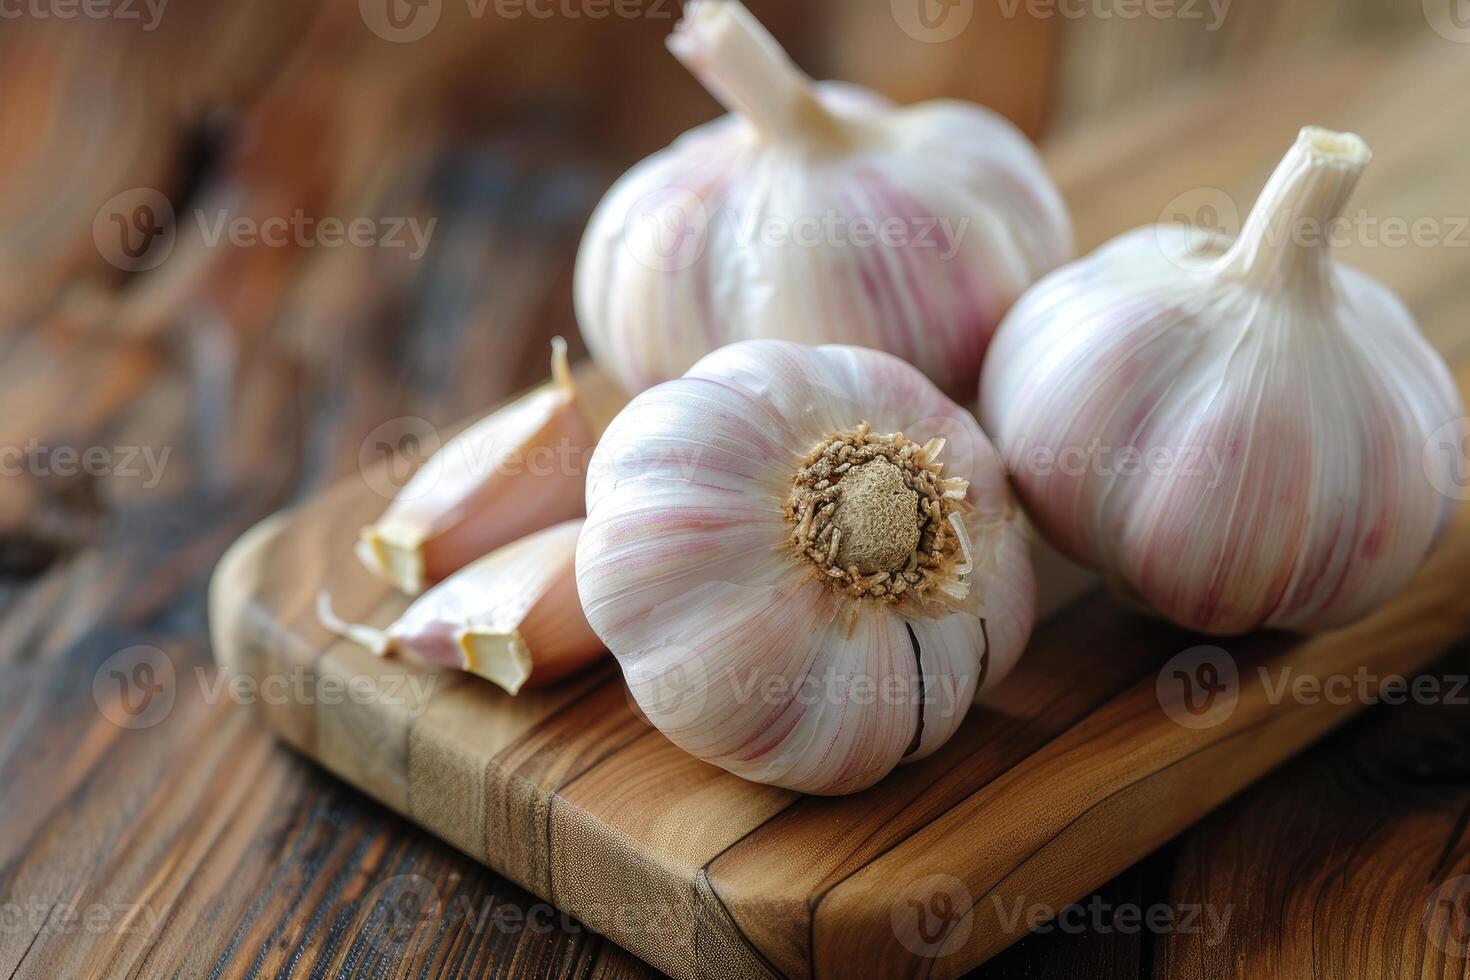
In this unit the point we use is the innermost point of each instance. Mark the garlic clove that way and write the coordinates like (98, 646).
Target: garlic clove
(517, 470)
(814, 212)
(1231, 431)
(512, 617)
(723, 594)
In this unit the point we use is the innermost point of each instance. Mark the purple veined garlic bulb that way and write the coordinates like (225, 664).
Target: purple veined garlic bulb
(1233, 432)
(806, 560)
(814, 212)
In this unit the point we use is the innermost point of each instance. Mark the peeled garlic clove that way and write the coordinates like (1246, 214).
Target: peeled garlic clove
(819, 213)
(512, 617)
(1233, 431)
(517, 470)
(806, 561)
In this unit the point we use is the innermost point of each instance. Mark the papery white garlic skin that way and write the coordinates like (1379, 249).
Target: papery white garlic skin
(816, 213)
(1232, 432)
(732, 643)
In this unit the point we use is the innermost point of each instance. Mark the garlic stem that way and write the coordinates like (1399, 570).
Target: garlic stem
(738, 61)
(1287, 237)
(375, 641)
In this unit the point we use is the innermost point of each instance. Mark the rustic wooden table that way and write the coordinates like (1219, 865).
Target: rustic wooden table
(158, 416)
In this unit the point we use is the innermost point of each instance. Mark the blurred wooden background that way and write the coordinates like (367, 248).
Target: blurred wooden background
(281, 104)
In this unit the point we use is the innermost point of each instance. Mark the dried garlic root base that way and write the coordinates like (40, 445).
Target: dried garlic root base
(516, 471)
(512, 617)
(811, 589)
(877, 518)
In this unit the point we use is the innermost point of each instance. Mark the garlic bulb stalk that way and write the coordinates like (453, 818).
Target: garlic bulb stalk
(806, 560)
(517, 470)
(1232, 431)
(512, 617)
(818, 213)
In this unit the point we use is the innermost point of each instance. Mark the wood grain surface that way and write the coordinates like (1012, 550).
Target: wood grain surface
(199, 846)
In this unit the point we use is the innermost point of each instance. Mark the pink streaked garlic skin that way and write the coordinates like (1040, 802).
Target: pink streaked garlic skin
(768, 223)
(512, 617)
(1286, 402)
(517, 470)
(731, 644)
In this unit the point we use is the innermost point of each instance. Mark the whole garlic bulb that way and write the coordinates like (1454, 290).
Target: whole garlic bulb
(819, 213)
(806, 560)
(1232, 431)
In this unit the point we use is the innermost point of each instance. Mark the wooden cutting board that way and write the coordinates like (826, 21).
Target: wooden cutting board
(1113, 734)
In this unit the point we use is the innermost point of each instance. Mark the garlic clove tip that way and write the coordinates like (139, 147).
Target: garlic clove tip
(503, 658)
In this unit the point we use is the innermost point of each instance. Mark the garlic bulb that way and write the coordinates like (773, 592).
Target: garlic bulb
(517, 470)
(806, 561)
(511, 617)
(1231, 431)
(818, 213)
